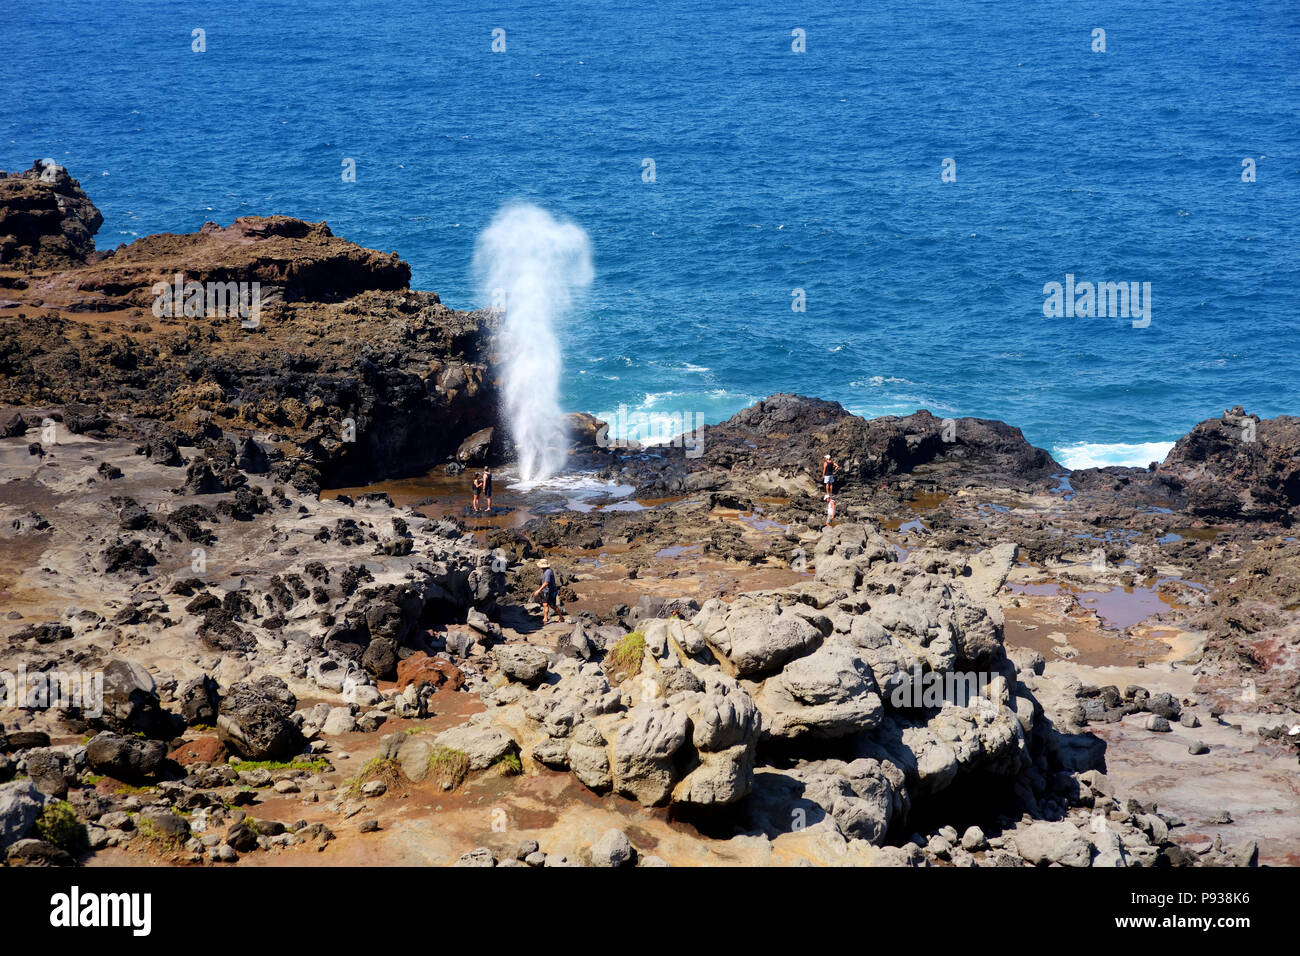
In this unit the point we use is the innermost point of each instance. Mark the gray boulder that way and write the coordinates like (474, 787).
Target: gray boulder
(522, 662)
(612, 849)
(1109, 848)
(20, 806)
(380, 658)
(863, 797)
(131, 701)
(484, 745)
(754, 637)
(49, 770)
(166, 825)
(32, 852)
(588, 757)
(829, 693)
(1044, 843)
(199, 701)
(719, 778)
(1164, 705)
(644, 748)
(339, 721)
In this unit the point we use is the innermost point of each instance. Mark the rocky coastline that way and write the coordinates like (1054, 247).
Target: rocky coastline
(255, 535)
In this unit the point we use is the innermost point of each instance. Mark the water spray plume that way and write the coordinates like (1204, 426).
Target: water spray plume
(531, 264)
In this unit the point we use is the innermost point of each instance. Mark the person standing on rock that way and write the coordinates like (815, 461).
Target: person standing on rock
(550, 593)
(478, 490)
(830, 508)
(485, 480)
(829, 467)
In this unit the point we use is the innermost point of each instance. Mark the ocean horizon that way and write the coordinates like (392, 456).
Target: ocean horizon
(875, 219)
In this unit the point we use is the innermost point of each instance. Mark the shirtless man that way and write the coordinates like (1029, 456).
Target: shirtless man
(829, 468)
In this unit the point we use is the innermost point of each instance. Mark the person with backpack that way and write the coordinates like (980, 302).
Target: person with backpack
(549, 591)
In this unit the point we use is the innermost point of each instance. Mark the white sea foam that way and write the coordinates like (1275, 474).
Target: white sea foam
(878, 380)
(579, 489)
(1100, 454)
(652, 420)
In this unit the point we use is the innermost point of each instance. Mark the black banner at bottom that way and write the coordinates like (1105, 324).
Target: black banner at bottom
(154, 904)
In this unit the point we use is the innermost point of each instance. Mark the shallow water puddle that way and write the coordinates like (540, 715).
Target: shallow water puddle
(1117, 608)
(677, 551)
(911, 525)
(1063, 487)
(927, 500)
(756, 522)
(514, 503)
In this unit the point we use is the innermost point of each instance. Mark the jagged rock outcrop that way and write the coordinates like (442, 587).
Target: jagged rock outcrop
(778, 443)
(368, 379)
(293, 260)
(45, 218)
(1238, 466)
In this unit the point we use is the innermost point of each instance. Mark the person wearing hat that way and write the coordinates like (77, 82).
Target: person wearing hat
(830, 508)
(549, 590)
(829, 467)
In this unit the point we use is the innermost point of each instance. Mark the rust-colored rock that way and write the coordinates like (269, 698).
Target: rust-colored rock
(420, 668)
(199, 750)
(298, 261)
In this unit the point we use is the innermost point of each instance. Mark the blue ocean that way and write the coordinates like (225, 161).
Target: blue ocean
(863, 204)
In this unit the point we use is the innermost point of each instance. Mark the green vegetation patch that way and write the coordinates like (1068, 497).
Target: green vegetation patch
(448, 766)
(509, 765)
(150, 831)
(624, 658)
(58, 824)
(377, 768)
(311, 765)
